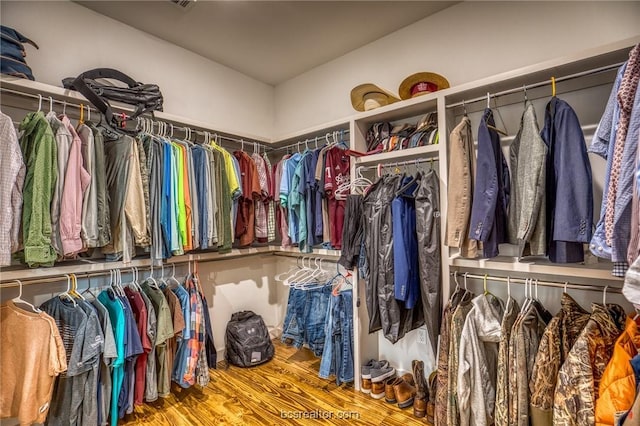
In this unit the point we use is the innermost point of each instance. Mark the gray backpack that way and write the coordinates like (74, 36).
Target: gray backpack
(247, 340)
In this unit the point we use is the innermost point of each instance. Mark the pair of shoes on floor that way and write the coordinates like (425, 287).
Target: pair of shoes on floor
(424, 401)
(375, 371)
(400, 390)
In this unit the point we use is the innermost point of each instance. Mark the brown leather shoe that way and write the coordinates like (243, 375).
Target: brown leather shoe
(389, 392)
(377, 390)
(405, 393)
(366, 386)
(408, 377)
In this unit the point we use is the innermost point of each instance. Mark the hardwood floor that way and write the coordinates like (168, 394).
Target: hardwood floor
(289, 385)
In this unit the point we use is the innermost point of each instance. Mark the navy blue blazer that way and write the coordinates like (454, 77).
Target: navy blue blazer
(569, 190)
(491, 191)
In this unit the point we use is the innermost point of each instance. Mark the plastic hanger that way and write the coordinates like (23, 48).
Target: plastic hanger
(50, 104)
(66, 294)
(604, 295)
(21, 301)
(280, 277)
(173, 275)
(553, 87)
(81, 121)
(566, 283)
(508, 293)
(484, 284)
(39, 103)
(74, 287)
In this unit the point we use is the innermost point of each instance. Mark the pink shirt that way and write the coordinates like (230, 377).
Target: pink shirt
(75, 182)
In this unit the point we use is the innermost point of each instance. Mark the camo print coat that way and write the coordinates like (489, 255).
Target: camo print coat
(457, 323)
(557, 340)
(579, 376)
(502, 391)
(442, 374)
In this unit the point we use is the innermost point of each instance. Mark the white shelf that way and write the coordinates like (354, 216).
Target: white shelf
(13, 273)
(429, 151)
(599, 271)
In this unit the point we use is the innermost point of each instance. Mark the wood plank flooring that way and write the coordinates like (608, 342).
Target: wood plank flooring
(287, 384)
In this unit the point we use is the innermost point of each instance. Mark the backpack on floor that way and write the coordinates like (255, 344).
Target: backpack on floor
(247, 340)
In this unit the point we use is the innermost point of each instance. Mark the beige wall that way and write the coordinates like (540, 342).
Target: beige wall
(465, 42)
(74, 39)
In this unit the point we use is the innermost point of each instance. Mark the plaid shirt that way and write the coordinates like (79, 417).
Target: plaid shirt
(12, 175)
(196, 337)
(271, 205)
(261, 211)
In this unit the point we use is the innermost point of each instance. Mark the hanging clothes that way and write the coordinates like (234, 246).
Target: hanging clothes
(478, 361)
(462, 174)
(89, 230)
(616, 140)
(491, 192)
(557, 340)
(579, 377)
(39, 152)
(98, 177)
(337, 169)
(428, 233)
(245, 226)
(503, 396)
(337, 354)
(443, 363)
(569, 194)
(618, 384)
(527, 202)
(30, 364)
(12, 174)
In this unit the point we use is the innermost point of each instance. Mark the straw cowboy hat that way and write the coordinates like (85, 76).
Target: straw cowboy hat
(421, 83)
(369, 96)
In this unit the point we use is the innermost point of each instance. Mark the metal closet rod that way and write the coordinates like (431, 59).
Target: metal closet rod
(49, 99)
(185, 129)
(316, 139)
(56, 278)
(555, 284)
(539, 84)
(400, 163)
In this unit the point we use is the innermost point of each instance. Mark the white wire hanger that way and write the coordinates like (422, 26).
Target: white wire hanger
(21, 301)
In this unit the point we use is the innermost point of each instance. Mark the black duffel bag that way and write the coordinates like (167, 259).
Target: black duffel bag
(247, 340)
(145, 97)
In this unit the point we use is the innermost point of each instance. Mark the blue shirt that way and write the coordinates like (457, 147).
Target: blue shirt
(405, 244)
(603, 144)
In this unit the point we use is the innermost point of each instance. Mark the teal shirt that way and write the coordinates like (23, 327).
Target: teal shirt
(116, 315)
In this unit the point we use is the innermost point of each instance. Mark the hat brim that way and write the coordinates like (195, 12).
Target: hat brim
(359, 92)
(405, 87)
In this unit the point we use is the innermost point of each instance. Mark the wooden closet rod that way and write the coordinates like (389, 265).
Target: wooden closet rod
(555, 284)
(538, 84)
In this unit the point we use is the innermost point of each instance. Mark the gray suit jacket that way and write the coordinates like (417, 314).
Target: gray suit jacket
(527, 206)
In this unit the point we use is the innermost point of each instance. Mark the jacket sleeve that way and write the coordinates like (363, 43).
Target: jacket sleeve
(485, 195)
(574, 195)
(545, 372)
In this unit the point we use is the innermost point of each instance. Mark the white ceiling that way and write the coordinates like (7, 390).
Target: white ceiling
(271, 41)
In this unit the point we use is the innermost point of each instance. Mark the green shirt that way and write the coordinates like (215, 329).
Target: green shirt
(39, 151)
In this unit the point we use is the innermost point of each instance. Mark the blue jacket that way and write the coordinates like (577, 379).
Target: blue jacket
(491, 192)
(569, 187)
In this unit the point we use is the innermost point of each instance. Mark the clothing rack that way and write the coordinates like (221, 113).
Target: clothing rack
(329, 137)
(56, 278)
(556, 284)
(399, 163)
(551, 81)
(187, 130)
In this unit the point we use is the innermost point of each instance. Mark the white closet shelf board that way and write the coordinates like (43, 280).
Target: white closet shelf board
(62, 94)
(419, 105)
(599, 271)
(312, 132)
(11, 274)
(430, 151)
(289, 251)
(585, 60)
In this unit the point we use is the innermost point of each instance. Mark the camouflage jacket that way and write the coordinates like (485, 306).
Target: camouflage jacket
(502, 391)
(579, 376)
(557, 340)
(457, 323)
